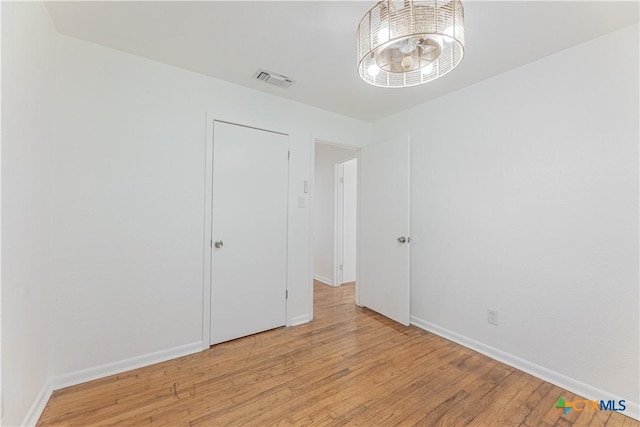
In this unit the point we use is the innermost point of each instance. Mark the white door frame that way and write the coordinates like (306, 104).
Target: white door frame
(208, 210)
(337, 224)
(314, 142)
(338, 215)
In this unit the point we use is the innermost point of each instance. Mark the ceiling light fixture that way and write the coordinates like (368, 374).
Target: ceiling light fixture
(409, 42)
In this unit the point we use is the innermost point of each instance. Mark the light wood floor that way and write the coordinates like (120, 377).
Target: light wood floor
(350, 366)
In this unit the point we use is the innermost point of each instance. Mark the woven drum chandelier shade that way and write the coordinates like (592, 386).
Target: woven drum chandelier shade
(409, 42)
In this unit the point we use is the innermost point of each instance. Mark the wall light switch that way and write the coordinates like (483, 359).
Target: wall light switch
(302, 202)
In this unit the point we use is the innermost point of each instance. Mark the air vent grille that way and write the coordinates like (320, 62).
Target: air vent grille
(262, 75)
(273, 78)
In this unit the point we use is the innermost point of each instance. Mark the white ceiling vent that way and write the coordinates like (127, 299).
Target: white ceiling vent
(273, 78)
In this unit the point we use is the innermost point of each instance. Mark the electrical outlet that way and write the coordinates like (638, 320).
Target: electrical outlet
(492, 317)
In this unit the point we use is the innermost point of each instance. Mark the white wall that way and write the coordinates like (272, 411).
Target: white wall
(350, 216)
(128, 212)
(525, 200)
(28, 74)
(324, 187)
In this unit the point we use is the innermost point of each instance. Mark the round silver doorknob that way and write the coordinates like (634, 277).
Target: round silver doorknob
(402, 239)
(218, 244)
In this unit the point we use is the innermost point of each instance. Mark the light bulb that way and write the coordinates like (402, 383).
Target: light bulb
(449, 32)
(383, 35)
(373, 70)
(407, 62)
(427, 69)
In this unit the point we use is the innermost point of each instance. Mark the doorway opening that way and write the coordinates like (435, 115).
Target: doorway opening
(334, 215)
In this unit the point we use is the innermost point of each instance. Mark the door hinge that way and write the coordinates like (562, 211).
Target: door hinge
(288, 154)
(211, 243)
(286, 294)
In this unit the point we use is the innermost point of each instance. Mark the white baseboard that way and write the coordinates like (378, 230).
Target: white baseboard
(323, 280)
(32, 417)
(90, 374)
(553, 377)
(82, 376)
(299, 320)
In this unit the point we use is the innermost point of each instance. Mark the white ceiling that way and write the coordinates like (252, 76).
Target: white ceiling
(313, 42)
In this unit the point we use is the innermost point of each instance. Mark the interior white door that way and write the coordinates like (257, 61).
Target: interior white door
(384, 229)
(249, 231)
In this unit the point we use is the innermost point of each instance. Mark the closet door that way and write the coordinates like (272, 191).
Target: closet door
(249, 231)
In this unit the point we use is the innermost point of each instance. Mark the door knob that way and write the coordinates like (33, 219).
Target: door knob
(402, 239)
(218, 244)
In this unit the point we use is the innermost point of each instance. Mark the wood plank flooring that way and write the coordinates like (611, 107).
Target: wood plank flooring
(350, 366)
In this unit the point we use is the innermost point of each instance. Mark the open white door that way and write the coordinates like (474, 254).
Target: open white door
(384, 229)
(346, 221)
(249, 232)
